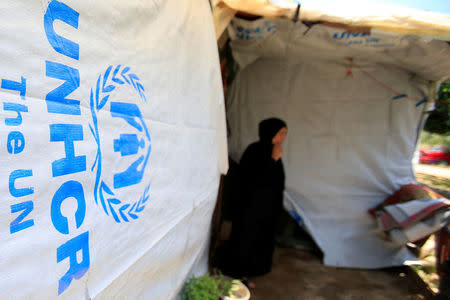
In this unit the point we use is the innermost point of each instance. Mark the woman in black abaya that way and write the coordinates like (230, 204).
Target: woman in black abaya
(260, 201)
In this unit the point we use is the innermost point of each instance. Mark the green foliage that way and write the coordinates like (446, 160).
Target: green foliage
(205, 288)
(433, 139)
(439, 119)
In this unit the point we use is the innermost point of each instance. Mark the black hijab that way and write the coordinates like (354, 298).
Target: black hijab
(268, 128)
(257, 167)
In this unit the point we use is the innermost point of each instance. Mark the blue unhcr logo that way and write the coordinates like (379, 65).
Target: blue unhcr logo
(129, 151)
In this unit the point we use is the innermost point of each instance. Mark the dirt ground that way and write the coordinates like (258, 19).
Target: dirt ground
(436, 177)
(298, 274)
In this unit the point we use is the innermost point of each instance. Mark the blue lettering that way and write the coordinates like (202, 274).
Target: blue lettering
(18, 224)
(15, 192)
(336, 35)
(68, 189)
(70, 249)
(15, 143)
(21, 87)
(57, 102)
(18, 108)
(67, 133)
(56, 99)
(60, 11)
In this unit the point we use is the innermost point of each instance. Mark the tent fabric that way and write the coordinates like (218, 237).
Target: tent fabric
(385, 15)
(428, 59)
(352, 132)
(113, 140)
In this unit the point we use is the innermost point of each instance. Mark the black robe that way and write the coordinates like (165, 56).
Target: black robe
(259, 202)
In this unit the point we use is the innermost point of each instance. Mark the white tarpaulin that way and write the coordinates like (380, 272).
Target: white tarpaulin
(353, 103)
(387, 15)
(112, 143)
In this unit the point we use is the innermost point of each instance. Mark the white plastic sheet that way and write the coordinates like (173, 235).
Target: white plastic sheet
(350, 143)
(112, 142)
(372, 13)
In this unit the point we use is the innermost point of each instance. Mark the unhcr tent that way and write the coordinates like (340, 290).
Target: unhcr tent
(112, 144)
(354, 100)
(113, 140)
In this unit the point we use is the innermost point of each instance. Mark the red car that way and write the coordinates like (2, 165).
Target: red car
(435, 155)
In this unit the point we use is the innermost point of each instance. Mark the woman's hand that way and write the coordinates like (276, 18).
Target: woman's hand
(277, 151)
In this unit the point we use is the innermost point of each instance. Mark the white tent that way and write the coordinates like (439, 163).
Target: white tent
(354, 102)
(112, 139)
(113, 142)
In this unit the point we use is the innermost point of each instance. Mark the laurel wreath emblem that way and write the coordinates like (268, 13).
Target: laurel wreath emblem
(98, 99)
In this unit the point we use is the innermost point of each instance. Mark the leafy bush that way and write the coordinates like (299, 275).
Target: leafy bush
(439, 119)
(206, 288)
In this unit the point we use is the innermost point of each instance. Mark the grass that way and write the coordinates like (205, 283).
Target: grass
(437, 181)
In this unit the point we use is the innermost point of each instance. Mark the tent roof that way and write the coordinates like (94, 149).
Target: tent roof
(388, 17)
